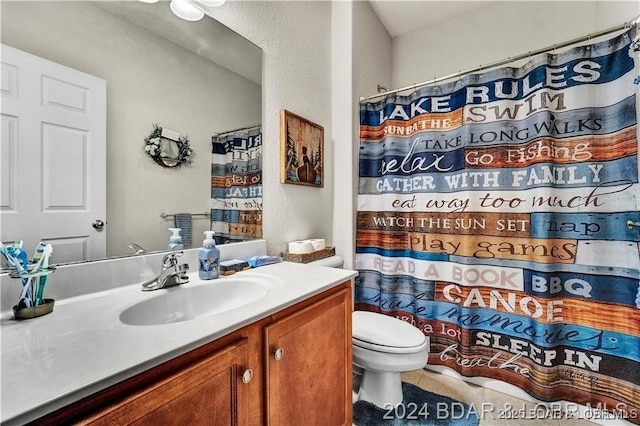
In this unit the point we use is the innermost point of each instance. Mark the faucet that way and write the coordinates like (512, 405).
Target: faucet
(137, 249)
(171, 274)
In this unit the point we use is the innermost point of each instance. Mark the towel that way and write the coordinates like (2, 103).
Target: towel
(183, 221)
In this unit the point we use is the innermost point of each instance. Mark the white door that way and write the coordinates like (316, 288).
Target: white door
(53, 157)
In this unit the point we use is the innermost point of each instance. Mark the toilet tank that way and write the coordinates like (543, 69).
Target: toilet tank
(331, 262)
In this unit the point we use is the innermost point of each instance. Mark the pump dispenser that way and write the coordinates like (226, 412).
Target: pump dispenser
(175, 240)
(209, 257)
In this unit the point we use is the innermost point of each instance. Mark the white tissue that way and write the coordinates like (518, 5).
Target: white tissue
(318, 244)
(300, 247)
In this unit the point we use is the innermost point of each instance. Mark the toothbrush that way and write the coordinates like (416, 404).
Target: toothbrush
(25, 300)
(23, 267)
(17, 257)
(8, 255)
(46, 252)
(22, 256)
(38, 257)
(11, 255)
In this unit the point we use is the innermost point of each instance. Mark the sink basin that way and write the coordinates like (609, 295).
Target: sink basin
(197, 299)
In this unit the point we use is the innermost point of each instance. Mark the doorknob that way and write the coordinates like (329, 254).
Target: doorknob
(98, 224)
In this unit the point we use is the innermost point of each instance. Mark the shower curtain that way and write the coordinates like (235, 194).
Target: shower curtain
(492, 215)
(236, 185)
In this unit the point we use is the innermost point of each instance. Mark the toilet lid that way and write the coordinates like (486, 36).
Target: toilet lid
(381, 330)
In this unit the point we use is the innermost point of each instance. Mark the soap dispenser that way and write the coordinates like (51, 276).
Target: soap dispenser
(175, 241)
(209, 257)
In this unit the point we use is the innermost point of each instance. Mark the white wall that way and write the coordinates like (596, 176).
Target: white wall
(319, 58)
(343, 123)
(371, 67)
(498, 31)
(297, 71)
(149, 80)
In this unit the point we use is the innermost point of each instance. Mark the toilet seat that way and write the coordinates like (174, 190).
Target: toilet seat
(390, 349)
(382, 333)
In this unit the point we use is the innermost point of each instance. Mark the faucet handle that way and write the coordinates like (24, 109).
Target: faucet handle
(171, 259)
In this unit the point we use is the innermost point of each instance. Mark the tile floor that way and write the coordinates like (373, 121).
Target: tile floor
(476, 395)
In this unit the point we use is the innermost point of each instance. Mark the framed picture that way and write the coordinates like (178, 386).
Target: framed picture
(301, 151)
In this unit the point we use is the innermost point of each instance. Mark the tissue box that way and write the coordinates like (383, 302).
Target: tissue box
(309, 257)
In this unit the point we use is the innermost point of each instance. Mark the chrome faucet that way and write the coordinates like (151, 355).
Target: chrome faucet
(171, 274)
(137, 249)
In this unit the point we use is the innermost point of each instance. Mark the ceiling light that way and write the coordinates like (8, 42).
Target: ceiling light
(149, 1)
(186, 10)
(212, 3)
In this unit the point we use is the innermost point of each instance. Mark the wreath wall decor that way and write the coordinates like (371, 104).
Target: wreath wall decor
(167, 152)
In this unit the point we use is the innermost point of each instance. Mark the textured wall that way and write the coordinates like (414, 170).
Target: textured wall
(498, 31)
(371, 67)
(296, 42)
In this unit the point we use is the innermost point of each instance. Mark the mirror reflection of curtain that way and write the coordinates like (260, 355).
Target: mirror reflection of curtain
(236, 185)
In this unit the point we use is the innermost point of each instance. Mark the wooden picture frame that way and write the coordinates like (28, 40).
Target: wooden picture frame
(301, 151)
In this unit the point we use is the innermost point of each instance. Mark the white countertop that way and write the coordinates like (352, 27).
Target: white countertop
(83, 347)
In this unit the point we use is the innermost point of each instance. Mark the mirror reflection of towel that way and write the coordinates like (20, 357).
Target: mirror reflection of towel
(183, 221)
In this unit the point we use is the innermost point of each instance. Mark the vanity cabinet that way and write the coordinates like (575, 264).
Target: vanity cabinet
(308, 365)
(207, 392)
(290, 368)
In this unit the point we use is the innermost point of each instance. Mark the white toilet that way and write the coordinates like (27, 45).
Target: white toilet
(383, 348)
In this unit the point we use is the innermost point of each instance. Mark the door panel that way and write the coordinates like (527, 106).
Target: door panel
(63, 168)
(9, 164)
(53, 176)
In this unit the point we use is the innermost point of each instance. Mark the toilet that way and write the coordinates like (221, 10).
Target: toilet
(383, 348)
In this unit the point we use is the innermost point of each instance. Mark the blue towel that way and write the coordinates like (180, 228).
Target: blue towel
(183, 221)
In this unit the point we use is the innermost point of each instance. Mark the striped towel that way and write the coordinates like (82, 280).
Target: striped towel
(183, 221)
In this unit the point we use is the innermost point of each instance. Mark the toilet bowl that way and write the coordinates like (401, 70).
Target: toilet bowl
(383, 348)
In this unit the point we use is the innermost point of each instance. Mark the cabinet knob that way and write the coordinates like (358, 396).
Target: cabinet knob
(247, 375)
(278, 354)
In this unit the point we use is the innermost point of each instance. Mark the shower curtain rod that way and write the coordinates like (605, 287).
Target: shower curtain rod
(508, 60)
(236, 130)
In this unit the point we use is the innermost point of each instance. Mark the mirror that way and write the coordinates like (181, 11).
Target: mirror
(197, 78)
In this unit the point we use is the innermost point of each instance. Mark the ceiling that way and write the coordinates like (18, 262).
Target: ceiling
(403, 16)
(207, 38)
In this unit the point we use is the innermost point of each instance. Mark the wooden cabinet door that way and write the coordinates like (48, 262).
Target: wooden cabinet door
(208, 392)
(308, 363)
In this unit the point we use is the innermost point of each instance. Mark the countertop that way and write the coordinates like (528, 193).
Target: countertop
(83, 347)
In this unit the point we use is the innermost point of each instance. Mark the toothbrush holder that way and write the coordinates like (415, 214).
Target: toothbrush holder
(32, 303)
(34, 311)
